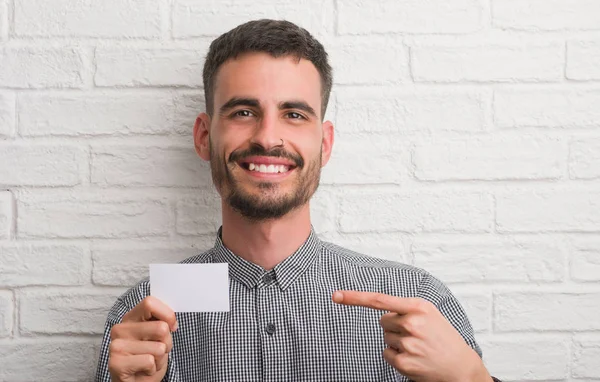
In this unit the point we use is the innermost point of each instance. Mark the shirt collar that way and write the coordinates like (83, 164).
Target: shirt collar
(286, 272)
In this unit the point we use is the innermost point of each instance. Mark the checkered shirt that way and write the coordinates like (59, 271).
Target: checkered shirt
(282, 324)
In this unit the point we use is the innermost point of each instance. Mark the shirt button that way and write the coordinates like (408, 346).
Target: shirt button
(271, 329)
(268, 278)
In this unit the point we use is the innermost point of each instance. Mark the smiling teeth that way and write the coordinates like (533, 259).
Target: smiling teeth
(268, 169)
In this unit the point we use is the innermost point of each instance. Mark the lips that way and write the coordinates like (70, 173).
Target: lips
(267, 169)
(267, 164)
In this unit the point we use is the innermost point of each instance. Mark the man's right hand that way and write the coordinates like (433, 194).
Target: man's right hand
(140, 344)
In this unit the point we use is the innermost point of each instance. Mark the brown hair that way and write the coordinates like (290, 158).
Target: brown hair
(275, 37)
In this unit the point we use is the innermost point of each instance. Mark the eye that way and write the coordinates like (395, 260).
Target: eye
(294, 115)
(243, 113)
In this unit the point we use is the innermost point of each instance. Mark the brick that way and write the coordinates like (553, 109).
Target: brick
(6, 214)
(520, 360)
(583, 60)
(584, 159)
(148, 67)
(369, 62)
(385, 250)
(40, 68)
(409, 16)
(49, 360)
(419, 111)
(586, 353)
(489, 159)
(478, 308)
(7, 115)
(547, 108)
(91, 214)
(414, 212)
(40, 164)
(187, 107)
(65, 311)
(129, 165)
(73, 18)
(376, 152)
(194, 19)
(491, 260)
(541, 311)
(546, 15)
(488, 63)
(331, 110)
(323, 211)
(199, 215)
(92, 114)
(388, 246)
(3, 21)
(585, 261)
(43, 264)
(6, 313)
(555, 211)
(126, 266)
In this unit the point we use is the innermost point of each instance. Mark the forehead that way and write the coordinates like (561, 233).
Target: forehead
(268, 79)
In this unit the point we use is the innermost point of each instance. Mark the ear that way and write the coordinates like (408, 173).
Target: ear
(327, 144)
(201, 136)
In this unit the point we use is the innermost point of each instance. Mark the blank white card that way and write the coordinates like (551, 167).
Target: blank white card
(191, 287)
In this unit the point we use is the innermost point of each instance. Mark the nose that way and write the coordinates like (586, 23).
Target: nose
(267, 133)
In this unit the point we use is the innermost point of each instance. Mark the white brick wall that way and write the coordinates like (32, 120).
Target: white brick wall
(468, 143)
(41, 67)
(526, 359)
(494, 63)
(583, 60)
(546, 15)
(586, 355)
(74, 18)
(7, 115)
(6, 214)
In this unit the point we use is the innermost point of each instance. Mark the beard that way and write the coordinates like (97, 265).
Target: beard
(268, 203)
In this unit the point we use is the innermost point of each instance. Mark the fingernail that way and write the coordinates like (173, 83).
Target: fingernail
(338, 296)
(176, 326)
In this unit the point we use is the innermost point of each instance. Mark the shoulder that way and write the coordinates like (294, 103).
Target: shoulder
(366, 262)
(141, 290)
(417, 281)
(370, 272)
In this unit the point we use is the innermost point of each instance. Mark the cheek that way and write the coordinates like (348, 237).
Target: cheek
(307, 145)
(220, 145)
(233, 139)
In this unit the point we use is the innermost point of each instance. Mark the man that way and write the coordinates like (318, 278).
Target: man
(301, 309)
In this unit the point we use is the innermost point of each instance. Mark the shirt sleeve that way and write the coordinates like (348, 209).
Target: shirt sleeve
(114, 317)
(433, 290)
(123, 305)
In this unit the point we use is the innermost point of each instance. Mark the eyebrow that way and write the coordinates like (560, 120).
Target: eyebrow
(300, 105)
(253, 102)
(239, 101)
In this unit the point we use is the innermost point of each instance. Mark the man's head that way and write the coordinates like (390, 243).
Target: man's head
(266, 85)
(277, 38)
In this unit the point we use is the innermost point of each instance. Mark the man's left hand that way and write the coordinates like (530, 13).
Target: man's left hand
(422, 344)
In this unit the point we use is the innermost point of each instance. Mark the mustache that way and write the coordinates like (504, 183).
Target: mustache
(276, 152)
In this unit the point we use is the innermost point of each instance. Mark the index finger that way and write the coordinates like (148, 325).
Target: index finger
(150, 309)
(379, 301)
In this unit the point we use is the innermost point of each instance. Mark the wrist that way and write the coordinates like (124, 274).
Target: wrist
(482, 375)
(476, 370)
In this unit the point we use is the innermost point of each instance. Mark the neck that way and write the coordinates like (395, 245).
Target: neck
(265, 243)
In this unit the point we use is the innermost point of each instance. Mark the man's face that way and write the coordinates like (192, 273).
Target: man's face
(266, 141)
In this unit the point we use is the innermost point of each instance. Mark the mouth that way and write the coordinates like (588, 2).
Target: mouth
(267, 169)
(267, 166)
